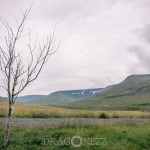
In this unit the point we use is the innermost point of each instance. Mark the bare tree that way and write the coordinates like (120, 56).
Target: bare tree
(18, 73)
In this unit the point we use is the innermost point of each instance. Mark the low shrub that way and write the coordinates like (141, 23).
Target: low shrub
(115, 116)
(103, 115)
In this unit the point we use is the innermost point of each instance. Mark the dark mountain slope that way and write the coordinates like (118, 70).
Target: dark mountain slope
(133, 91)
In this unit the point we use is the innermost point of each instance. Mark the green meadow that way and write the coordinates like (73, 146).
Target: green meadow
(127, 136)
(108, 136)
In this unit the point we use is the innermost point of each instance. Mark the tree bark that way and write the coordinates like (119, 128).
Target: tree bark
(18, 74)
(9, 122)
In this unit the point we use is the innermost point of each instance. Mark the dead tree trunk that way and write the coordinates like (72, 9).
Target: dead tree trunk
(8, 126)
(18, 74)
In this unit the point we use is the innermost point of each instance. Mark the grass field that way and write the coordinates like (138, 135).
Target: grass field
(113, 136)
(109, 137)
(37, 111)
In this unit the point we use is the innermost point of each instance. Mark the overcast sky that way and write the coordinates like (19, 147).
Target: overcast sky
(101, 41)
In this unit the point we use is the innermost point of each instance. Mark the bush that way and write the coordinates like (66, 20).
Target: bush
(115, 116)
(87, 115)
(2, 115)
(103, 115)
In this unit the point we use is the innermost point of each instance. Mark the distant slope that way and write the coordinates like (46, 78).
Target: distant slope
(28, 98)
(133, 91)
(65, 97)
(2, 99)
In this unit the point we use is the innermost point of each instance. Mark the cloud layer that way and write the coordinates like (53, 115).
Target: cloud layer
(102, 42)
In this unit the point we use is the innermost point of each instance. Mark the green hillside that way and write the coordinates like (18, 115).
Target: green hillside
(28, 98)
(133, 91)
(2, 99)
(54, 98)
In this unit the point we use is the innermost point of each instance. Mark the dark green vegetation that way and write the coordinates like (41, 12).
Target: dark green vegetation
(103, 115)
(119, 137)
(134, 92)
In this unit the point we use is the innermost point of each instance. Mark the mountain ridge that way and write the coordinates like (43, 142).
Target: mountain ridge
(66, 96)
(133, 91)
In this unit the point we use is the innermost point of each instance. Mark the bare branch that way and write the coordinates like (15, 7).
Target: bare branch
(17, 74)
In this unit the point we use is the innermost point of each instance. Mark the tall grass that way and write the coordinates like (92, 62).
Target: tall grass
(37, 111)
(118, 137)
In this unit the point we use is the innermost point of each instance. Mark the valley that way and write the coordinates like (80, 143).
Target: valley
(119, 113)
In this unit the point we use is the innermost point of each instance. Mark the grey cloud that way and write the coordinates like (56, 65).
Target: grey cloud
(73, 10)
(145, 33)
(94, 35)
(143, 56)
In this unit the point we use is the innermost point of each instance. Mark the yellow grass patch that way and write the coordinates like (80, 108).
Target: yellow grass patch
(28, 110)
